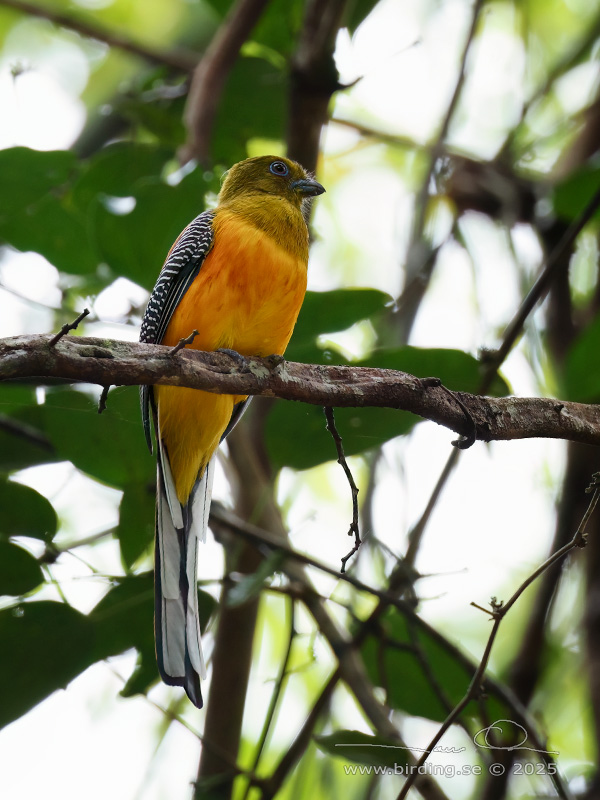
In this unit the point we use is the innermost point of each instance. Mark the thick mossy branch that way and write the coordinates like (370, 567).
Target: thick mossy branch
(109, 362)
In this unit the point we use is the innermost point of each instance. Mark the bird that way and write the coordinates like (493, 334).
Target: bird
(237, 275)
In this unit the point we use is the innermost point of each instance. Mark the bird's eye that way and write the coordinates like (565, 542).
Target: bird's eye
(279, 168)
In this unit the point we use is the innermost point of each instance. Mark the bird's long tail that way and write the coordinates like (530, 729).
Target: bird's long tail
(177, 626)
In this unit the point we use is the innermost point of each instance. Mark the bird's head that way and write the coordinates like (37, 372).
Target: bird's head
(270, 175)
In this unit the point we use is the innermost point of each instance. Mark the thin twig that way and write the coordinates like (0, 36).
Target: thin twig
(498, 611)
(53, 550)
(375, 133)
(102, 399)
(70, 326)
(263, 538)
(182, 342)
(354, 528)
(538, 290)
(176, 59)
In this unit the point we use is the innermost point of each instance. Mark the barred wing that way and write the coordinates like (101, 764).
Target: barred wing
(181, 267)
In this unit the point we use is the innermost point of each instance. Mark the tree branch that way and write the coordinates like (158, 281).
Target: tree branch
(108, 362)
(313, 79)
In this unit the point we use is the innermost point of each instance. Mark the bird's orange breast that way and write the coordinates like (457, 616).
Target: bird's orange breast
(246, 297)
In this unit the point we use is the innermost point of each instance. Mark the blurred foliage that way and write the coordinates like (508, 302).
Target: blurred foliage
(111, 207)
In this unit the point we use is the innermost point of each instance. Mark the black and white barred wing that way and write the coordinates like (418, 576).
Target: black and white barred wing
(181, 267)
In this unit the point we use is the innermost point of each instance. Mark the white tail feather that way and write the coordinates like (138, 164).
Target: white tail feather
(201, 501)
(174, 504)
(178, 637)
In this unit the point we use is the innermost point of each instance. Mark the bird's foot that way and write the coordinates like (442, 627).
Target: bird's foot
(239, 359)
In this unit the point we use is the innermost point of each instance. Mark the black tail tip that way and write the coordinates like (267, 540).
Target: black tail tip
(192, 689)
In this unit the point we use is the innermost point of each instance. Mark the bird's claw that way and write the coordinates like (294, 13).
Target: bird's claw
(239, 359)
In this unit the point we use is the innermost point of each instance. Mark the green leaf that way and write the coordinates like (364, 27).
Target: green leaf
(124, 618)
(116, 170)
(581, 380)
(55, 231)
(363, 748)
(144, 674)
(135, 531)
(295, 433)
(19, 571)
(329, 312)
(398, 668)
(256, 98)
(28, 175)
(25, 512)
(296, 437)
(15, 396)
(573, 195)
(423, 675)
(136, 244)
(108, 446)
(45, 645)
(161, 118)
(456, 369)
(279, 25)
(23, 442)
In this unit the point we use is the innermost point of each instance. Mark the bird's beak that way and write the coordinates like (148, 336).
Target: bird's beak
(307, 188)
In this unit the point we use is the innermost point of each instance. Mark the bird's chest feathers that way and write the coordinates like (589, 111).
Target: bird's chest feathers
(247, 294)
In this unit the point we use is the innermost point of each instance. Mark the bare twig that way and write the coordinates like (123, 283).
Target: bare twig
(102, 399)
(210, 76)
(498, 612)
(176, 59)
(404, 142)
(341, 459)
(70, 326)
(182, 342)
(53, 550)
(539, 289)
(258, 536)
(265, 539)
